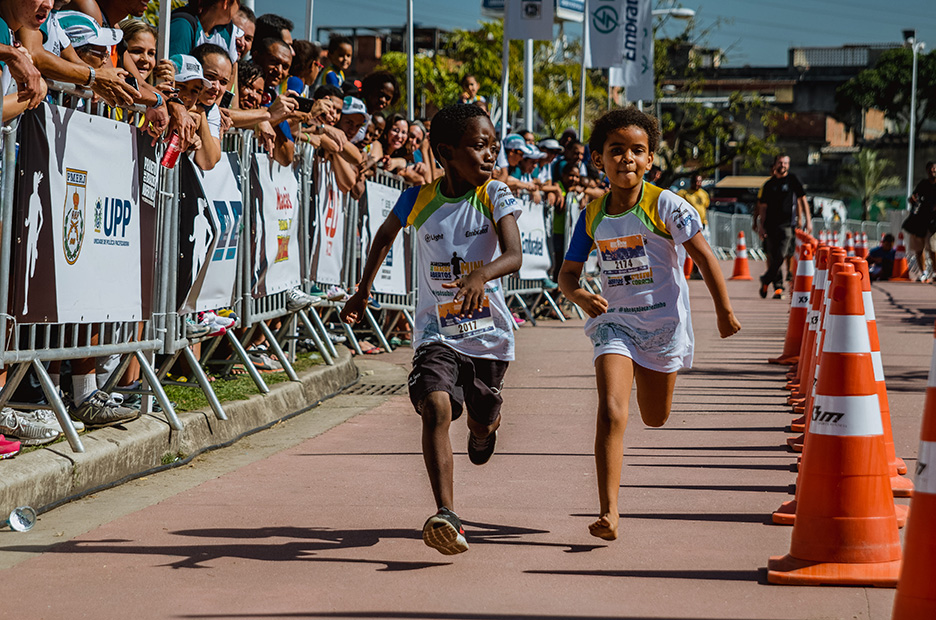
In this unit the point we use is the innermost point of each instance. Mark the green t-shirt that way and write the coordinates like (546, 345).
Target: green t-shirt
(6, 37)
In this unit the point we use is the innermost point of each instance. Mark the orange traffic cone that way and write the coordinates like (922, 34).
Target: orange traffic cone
(901, 269)
(902, 487)
(861, 250)
(741, 269)
(808, 349)
(849, 244)
(799, 307)
(846, 528)
(916, 590)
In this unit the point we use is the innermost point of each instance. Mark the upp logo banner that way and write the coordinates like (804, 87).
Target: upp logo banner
(111, 217)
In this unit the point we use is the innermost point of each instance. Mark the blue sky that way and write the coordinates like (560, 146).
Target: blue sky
(754, 32)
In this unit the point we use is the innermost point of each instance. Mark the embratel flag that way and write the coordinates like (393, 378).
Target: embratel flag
(529, 19)
(621, 38)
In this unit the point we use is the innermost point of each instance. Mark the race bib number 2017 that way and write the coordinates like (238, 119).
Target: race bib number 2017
(454, 327)
(624, 260)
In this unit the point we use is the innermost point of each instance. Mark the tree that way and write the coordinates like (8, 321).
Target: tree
(886, 87)
(699, 138)
(865, 179)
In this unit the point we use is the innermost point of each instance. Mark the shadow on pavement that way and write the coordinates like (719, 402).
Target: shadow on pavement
(769, 466)
(752, 488)
(775, 448)
(435, 615)
(724, 517)
(759, 576)
(721, 429)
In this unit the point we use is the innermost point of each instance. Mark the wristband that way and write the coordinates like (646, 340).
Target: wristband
(91, 76)
(159, 100)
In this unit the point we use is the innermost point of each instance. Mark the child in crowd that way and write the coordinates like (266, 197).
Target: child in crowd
(640, 327)
(305, 68)
(468, 238)
(340, 52)
(469, 93)
(249, 85)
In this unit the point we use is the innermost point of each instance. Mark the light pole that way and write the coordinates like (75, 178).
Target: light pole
(916, 47)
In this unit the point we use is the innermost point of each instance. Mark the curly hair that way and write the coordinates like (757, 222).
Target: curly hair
(618, 119)
(450, 123)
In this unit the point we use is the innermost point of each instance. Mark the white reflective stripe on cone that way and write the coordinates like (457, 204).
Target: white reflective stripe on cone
(805, 268)
(846, 334)
(812, 319)
(800, 300)
(925, 479)
(847, 416)
(932, 373)
(868, 305)
(742, 253)
(878, 365)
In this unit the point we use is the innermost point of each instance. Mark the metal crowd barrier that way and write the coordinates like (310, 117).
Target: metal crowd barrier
(28, 346)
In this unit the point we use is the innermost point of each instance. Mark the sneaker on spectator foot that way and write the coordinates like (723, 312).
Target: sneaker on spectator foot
(222, 321)
(443, 532)
(317, 292)
(336, 293)
(47, 417)
(29, 433)
(8, 448)
(549, 285)
(297, 300)
(100, 410)
(194, 330)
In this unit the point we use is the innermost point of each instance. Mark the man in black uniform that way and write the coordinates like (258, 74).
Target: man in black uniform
(781, 208)
(922, 222)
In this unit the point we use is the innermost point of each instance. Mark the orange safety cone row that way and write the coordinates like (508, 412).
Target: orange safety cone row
(861, 250)
(835, 240)
(742, 270)
(799, 307)
(823, 237)
(902, 487)
(916, 590)
(901, 269)
(849, 244)
(798, 385)
(845, 531)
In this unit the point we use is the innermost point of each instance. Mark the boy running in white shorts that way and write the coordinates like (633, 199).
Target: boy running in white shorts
(467, 238)
(640, 327)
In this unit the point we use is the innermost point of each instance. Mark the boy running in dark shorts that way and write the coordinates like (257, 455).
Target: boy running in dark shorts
(467, 238)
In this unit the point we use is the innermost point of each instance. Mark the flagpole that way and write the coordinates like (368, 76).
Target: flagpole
(410, 69)
(585, 43)
(528, 85)
(310, 35)
(505, 59)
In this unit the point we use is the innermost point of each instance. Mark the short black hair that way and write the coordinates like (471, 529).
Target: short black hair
(247, 71)
(450, 123)
(780, 156)
(887, 238)
(271, 26)
(327, 90)
(248, 14)
(338, 39)
(618, 119)
(208, 49)
(375, 80)
(263, 46)
(304, 54)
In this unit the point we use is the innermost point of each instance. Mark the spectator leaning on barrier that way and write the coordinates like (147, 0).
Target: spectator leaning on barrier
(305, 67)
(246, 23)
(138, 47)
(272, 26)
(379, 90)
(204, 21)
(249, 85)
(91, 42)
(15, 16)
(217, 70)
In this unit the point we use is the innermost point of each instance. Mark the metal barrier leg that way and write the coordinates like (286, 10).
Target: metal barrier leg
(154, 384)
(167, 364)
(61, 413)
(205, 384)
(375, 327)
(320, 325)
(251, 370)
(278, 351)
(322, 349)
(526, 309)
(554, 306)
(13, 380)
(409, 319)
(352, 339)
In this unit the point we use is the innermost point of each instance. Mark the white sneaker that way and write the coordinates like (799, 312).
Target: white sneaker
(296, 300)
(29, 433)
(47, 417)
(336, 293)
(220, 321)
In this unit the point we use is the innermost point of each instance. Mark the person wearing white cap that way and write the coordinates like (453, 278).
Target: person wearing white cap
(91, 41)
(515, 149)
(22, 86)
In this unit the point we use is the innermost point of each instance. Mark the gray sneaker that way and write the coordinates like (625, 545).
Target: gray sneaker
(100, 410)
(29, 433)
(296, 299)
(47, 417)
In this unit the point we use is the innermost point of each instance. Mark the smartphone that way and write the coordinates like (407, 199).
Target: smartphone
(132, 82)
(226, 100)
(305, 104)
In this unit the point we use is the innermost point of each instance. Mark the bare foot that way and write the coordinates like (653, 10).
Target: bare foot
(605, 528)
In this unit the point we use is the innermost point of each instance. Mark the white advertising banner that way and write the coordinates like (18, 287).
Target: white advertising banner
(85, 219)
(213, 235)
(275, 213)
(329, 233)
(535, 244)
(621, 38)
(530, 19)
(391, 277)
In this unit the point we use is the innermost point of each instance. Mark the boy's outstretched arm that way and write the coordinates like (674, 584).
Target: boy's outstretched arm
(353, 309)
(471, 292)
(569, 276)
(701, 254)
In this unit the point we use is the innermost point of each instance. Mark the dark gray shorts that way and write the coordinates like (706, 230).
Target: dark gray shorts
(473, 382)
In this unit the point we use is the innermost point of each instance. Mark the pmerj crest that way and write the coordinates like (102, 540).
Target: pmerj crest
(73, 223)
